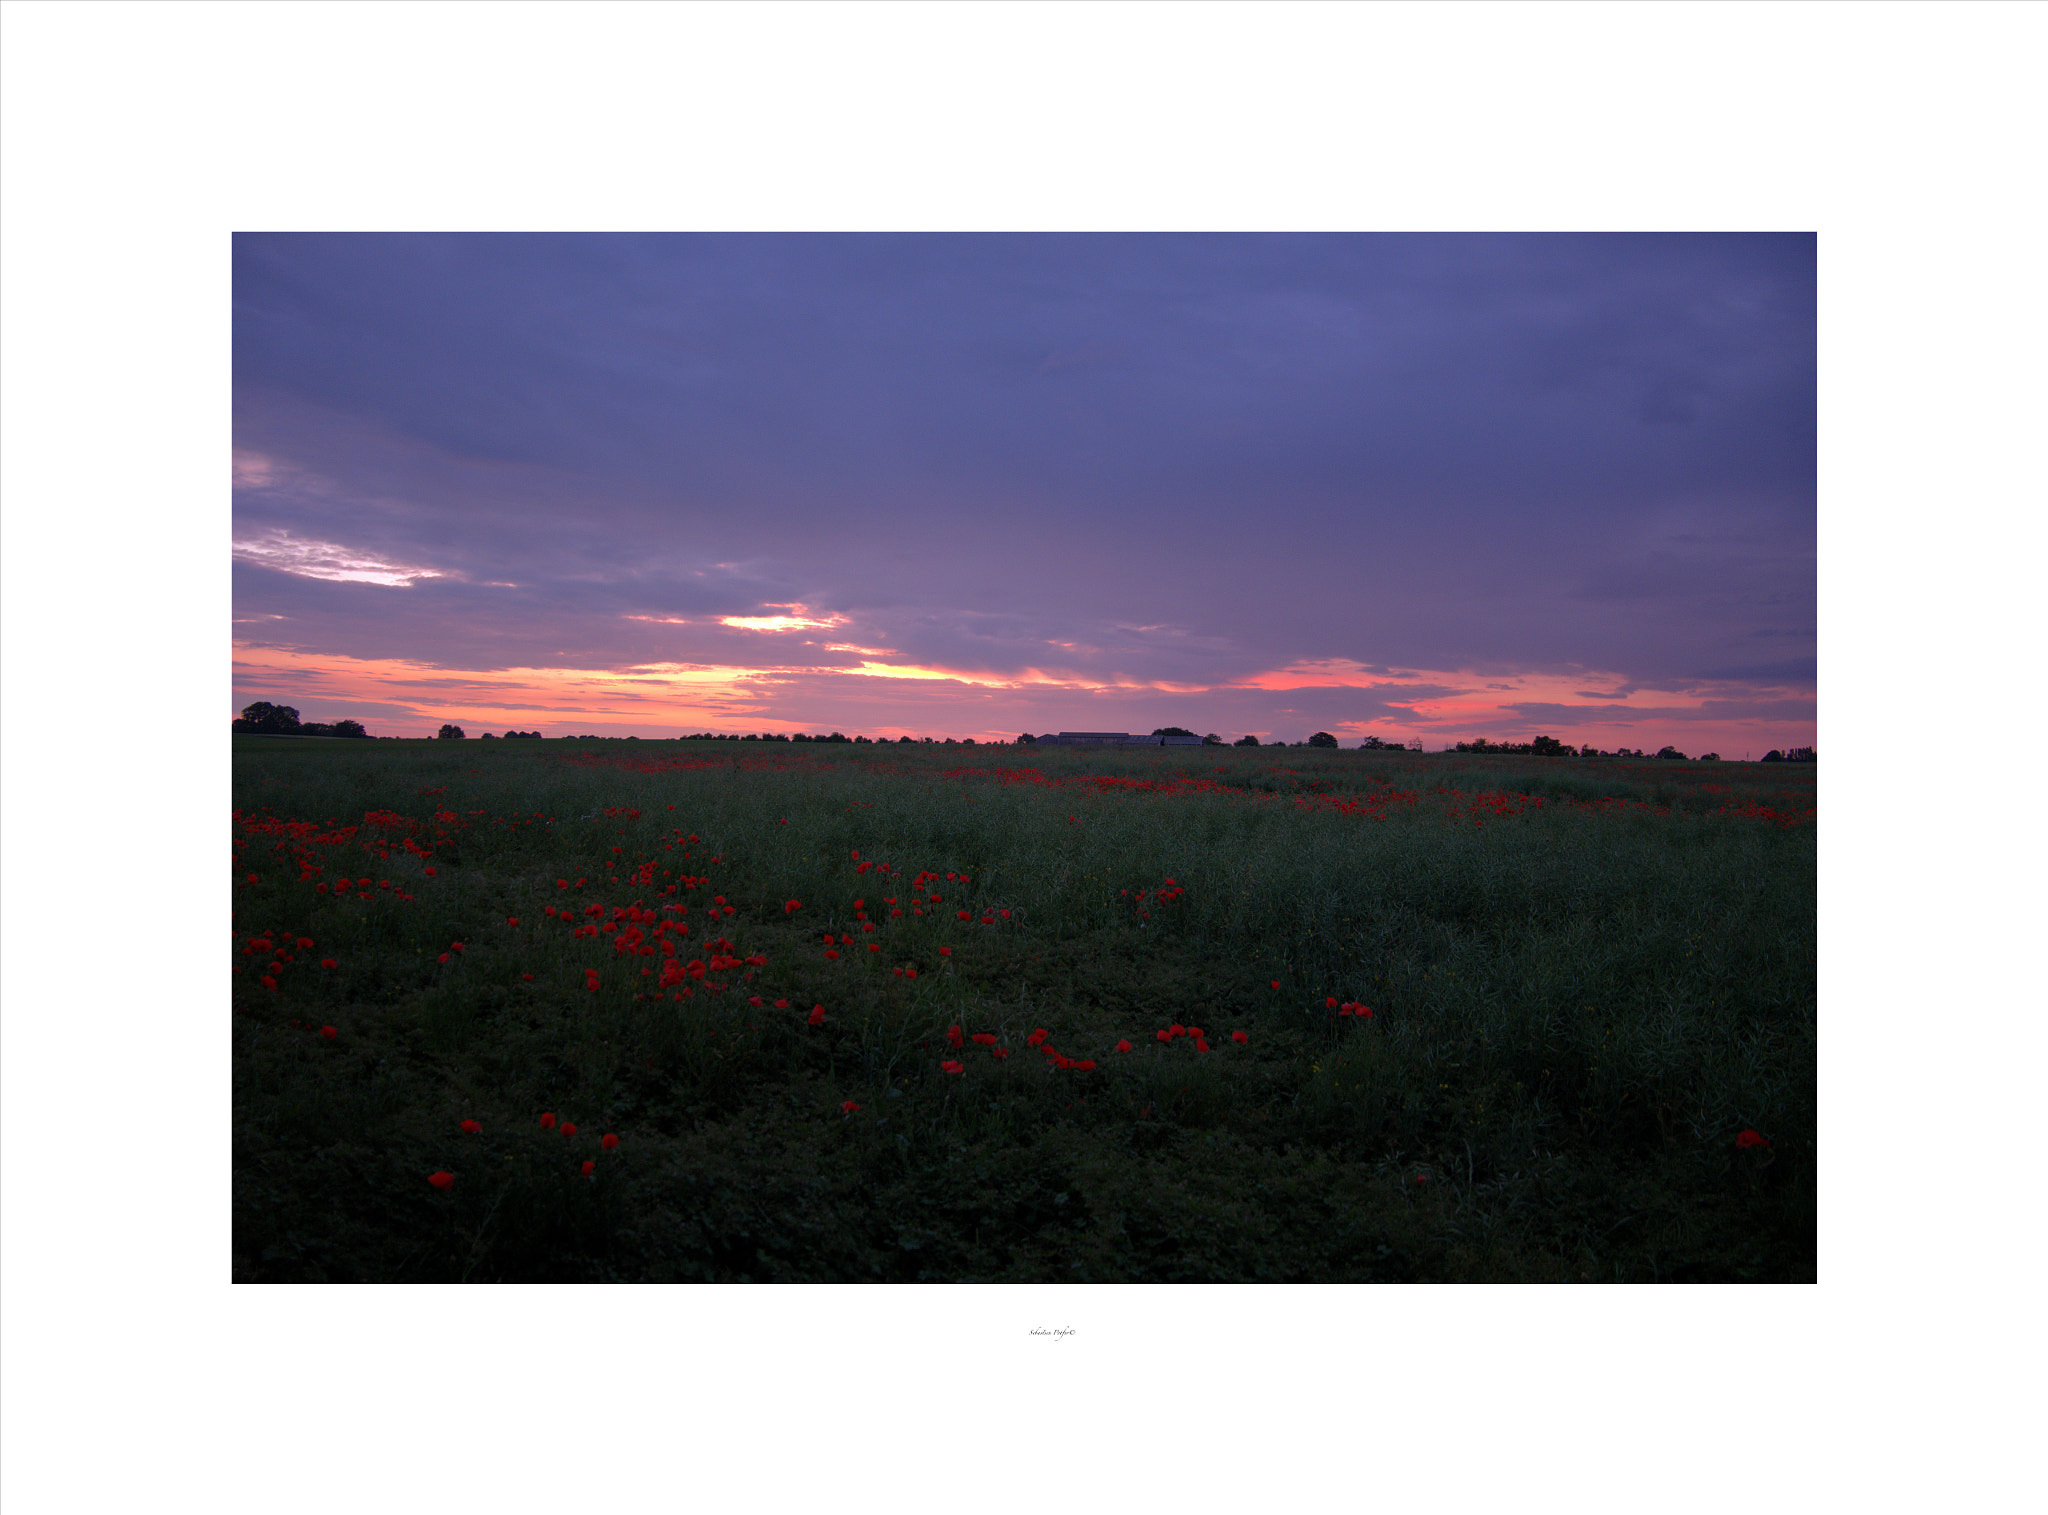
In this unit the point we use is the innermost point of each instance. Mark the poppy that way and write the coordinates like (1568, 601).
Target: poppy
(1239, 1036)
(817, 1015)
(983, 1038)
(1276, 983)
(610, 1142)
(1124, 1046)
(590, 979)
(782, 1004)
(1035, 1037)
(952, 1067)
(1751, 1139)
(267, 981)
(1165, 1036)
(305, 942)
(441, 1180)
(329, 1032)
(831, 954)
(511, 920)
(1000, 1051)
(589, 1167)
(1086, 1065)
(945, 952)
(953, 1036)
(910, 973)
(328, 962)
(547, 1121)
(1330, 1003)
(455, 946)
(792, 907)
(471, 1128)
(444, 957)
(1201, 1045)
(568, 1128)
(429, 873)
(966, 915)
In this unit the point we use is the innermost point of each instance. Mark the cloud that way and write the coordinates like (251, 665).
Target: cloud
(281, 551)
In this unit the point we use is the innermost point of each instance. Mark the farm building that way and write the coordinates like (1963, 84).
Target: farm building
(1115, 739)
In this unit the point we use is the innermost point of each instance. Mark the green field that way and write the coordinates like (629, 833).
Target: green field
(1587, 978)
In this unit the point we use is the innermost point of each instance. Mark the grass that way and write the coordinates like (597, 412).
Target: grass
(1587, 977)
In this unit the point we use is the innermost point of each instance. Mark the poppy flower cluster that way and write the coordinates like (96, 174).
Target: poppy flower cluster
(1351, 1007)
(1749, 1139)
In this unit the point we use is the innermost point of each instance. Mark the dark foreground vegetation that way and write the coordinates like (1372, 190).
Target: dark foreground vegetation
(883, 1013)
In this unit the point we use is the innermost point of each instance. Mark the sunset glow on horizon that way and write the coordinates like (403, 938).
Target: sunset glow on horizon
(1419, 488)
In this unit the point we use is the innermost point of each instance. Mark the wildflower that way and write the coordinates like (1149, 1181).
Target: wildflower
(966, 915)
(1124, 1045)
(983, 1038)
(267, 981)
(305, 943)
(1239, 1036)
(1176, 1029)
(999, 1051)
(1165, 1036)
(847, 1107)
(471, 1128)
(429, 873)
(817, 1015)
(455, 946)
(1751, 1139)
(1201, 1045)
(589, 1167)
(511, 920)
(782, 1004)
(1085, 1065)
(754, 1000)
(527, 977)
(610, 1142)
(328, 962)
(952, 1067)
(910, 973)
(441, 1180)
(1276, 983)
(1330, 1003)
(831, 954)
(953, 1036)
(444, 957)
(330, 1033)
(590, 979)
(547, 1120)
(1035, 1037)
(945, 952)
(1004, 913)
(568, 1128)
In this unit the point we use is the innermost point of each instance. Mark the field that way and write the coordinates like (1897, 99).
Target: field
(738, 1011)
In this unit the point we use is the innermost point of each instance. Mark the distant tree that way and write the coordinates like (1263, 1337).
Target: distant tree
(1211, 739)
(1173, 731)
(1550, 746)
(451, 733)
(269, 719)
(349, 728)
(1246, 741)
(1322, 739)
(950, 742)
(967, 741)
(488, 737)
(1710, 757)
(868, 741)
(1671, 752)
(1026, 739)
(1799, 755)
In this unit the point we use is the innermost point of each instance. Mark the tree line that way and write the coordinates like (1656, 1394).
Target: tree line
(266, 719)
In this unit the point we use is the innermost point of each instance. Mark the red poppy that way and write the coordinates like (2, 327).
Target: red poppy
(945, 952)
(441, 1180)
(1085, 1065)
(1124, 1046)
(1330, 1003)
(1164, 1036)
(305, 942)
(547, 1120)
(589, 1167)
(782, 1004)
(1239, 1036)
(817, 1015)
(1201, 1045)
(910, 973)
(1276, 983)
(590, 979)
(792, 907)
(1035, 1037)
(952, 1067)
(528, 977)
(610, 1142)
(471, 1128)
(328, 962)
(511, 920)
(444, 957)
(999, 1051)
(1751, 1139)
(329, 1032)
(455, 946)
(966, 915)
(429, 872)
(831, 953)
(953, 1035)
(568, 1128)
(847, 1106)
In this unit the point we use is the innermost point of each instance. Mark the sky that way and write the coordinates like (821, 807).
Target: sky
(1426, 488)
